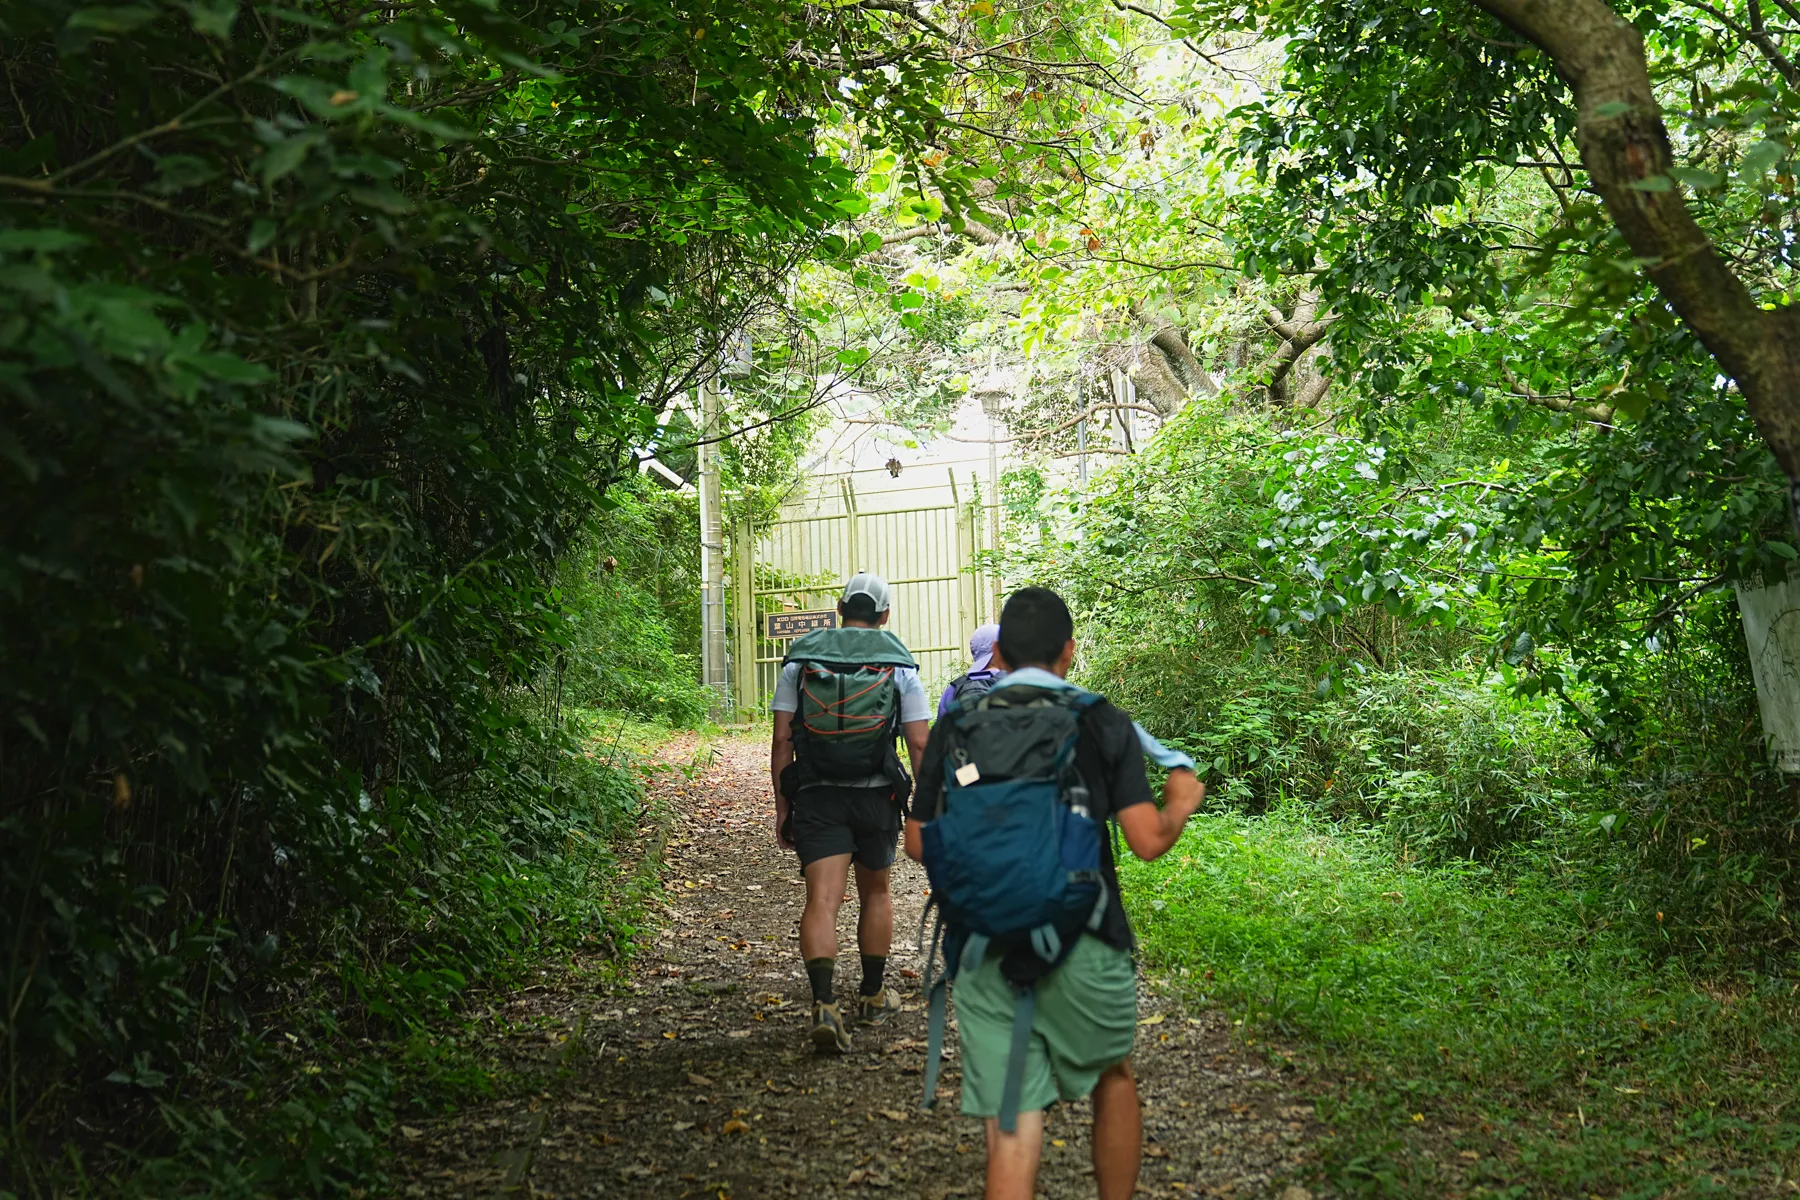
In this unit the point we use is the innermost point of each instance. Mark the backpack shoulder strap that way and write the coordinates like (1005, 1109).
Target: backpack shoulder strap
(1089, 766)
(1023, 1012)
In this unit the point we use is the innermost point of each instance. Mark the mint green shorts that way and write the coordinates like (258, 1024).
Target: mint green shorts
(1084, 1024)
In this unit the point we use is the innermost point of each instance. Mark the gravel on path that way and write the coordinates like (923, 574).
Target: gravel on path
(692, 1076)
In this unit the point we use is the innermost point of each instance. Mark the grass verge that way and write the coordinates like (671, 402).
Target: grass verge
(1489, 1034)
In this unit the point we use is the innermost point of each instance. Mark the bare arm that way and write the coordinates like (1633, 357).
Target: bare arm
(1149, 830)
(915, 733)
(911, 841)
(781, 753)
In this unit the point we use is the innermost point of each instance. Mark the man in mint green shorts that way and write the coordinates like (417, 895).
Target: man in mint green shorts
(1086, 1007)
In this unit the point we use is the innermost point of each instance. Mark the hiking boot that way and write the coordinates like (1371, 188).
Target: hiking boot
(873, 1010)
(828, 1032)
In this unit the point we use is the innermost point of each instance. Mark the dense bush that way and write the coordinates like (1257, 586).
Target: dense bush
(323, 331)
(1411, 724)
(633, 599)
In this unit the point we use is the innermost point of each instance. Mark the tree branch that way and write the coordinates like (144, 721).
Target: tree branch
(1174, 346)
(1298, 333)
(1576, 406)
(1756, 36)
(907, 235)
(1625, 147)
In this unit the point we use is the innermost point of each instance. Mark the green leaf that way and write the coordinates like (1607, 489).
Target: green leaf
(1782, 550)
(41, 241)
(1700, 181)
(179, 172)
(1759, 158)
(1613, 108)
(381, 197)
(110, 19)
(262, 232)
(280, 159)
(213, 19)
(1631, 403)
(1653, 183)
(228, 368)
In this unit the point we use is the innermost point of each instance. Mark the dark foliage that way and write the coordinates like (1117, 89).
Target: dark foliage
(323, 331)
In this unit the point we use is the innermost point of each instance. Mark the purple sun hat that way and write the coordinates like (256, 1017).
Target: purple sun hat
(981, 646)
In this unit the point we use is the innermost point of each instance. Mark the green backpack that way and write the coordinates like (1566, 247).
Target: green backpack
(849, 713)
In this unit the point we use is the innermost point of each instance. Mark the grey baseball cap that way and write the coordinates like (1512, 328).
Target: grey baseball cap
(867, 583)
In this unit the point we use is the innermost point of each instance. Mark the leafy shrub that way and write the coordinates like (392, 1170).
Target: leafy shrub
(1413, 731)
(323, 334)
(633, 597)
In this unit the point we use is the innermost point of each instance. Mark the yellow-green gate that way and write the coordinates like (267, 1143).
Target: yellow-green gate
(926, 550)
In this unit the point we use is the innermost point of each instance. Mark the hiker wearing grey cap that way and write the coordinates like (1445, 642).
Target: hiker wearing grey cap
(988, 668)
(843, 697)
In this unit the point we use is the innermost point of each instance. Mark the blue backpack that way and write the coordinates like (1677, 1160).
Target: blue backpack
(1014, 856)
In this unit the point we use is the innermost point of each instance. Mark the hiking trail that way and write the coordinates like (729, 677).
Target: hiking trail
(690, 1075)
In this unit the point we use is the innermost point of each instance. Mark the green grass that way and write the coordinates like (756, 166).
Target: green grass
(1481, 1033)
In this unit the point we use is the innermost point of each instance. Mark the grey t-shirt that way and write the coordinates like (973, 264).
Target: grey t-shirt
(914, 706)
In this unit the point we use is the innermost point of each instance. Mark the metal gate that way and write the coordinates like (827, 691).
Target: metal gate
(927, 552)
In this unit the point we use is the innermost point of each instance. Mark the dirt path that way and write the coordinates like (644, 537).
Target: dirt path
(692, 1077)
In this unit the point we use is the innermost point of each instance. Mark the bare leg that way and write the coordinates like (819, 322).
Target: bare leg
(875, 918)
(825, 882)
(1012, 1158)
(1118, 1133)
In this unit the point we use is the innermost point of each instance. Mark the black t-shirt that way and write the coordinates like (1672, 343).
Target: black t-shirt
(1111, 763)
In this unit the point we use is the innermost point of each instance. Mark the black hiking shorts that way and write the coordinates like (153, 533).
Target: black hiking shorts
(863, 822)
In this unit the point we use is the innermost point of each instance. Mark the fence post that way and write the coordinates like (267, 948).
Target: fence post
(856, 563)
(743, 578)
(968, 520)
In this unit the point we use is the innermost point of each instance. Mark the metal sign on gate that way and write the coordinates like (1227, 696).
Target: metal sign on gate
(790, 574)
(785, 625)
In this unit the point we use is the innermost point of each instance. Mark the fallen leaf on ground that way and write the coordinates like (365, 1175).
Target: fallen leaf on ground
(735, 1127)
(699, 1081)
(1158, 1019)
(893, 1114)
(410, 1132)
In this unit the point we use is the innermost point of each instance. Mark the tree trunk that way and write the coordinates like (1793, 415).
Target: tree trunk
(1156, 382)
(1298, 333)
(1623, 143)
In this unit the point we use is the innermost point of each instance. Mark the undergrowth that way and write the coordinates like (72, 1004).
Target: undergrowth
(301, 1089)
(1489, 1031)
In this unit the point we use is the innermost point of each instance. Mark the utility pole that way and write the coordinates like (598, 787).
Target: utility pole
(990, 404)
(713, 669)
(1081, 430)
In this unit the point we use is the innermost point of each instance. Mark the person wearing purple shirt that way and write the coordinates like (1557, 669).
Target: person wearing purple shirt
(982, 675)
